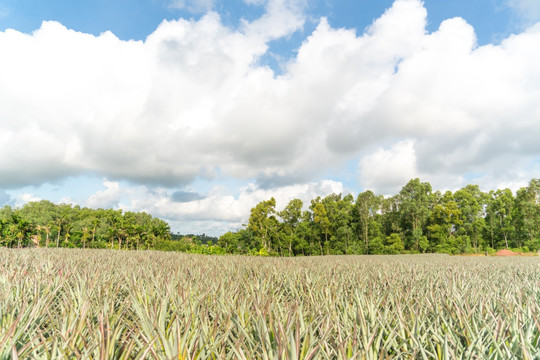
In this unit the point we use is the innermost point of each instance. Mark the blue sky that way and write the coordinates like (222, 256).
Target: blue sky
(195, 111)
(136, 19)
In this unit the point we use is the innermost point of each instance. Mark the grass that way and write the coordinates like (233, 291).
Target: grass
(103, 304)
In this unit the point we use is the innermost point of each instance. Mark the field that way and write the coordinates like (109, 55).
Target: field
(103, 304)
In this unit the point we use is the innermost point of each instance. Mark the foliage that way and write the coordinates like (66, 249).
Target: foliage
(51, 225)
(417, 220)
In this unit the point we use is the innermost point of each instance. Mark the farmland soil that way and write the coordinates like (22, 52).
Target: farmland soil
(506, 252)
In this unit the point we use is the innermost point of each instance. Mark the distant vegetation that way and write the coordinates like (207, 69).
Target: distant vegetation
(88, 304)
(46, 224)
(200, 239)
(416, 220)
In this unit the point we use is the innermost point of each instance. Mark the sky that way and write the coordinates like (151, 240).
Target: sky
(195, 111)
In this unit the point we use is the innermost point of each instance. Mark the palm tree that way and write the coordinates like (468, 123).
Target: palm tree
(59, 223)
(85, 236)
(47, 229)
(23, 227)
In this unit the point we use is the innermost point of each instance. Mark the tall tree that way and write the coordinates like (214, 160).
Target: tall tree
(499, 217)
(444, 220)
(320, 218)
(528, 215)
(415, 199)
(291, 216)
(367, 206)
(471, 202)
(261, 221)
(345, 227)
(391, 215)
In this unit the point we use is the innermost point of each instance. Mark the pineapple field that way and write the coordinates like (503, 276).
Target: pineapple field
(107, 304)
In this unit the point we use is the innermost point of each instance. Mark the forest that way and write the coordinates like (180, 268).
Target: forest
(416, 220)
(43, 223)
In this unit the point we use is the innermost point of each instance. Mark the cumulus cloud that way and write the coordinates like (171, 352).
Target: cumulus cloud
(24, 198)
(388, 169)
(110, 197)
(219, 204)
(215, 212)
(472, 108)
(281, 18)
(192, 101)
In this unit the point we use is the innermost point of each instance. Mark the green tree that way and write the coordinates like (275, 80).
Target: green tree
(229, 241)
(345, 227)
(391, 218)
(444, 221)
(291, 216)
(394, 244)
(415, 199)
(499, 217)
(320, 218)
(262, 221)
(367, 206)
(471, 202)
(528, 215)
(305, 234)
(20, 230)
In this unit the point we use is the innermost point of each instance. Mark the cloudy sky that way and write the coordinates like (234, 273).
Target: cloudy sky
(196, 110)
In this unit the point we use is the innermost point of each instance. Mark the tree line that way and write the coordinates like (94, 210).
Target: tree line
(44, 223)
(416, 220)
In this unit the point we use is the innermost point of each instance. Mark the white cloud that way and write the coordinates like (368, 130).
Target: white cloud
(387, 170)
(282, 17)
(215, 211)
(110, 197)
(191, 102)
(220, 205)
(22, 199)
